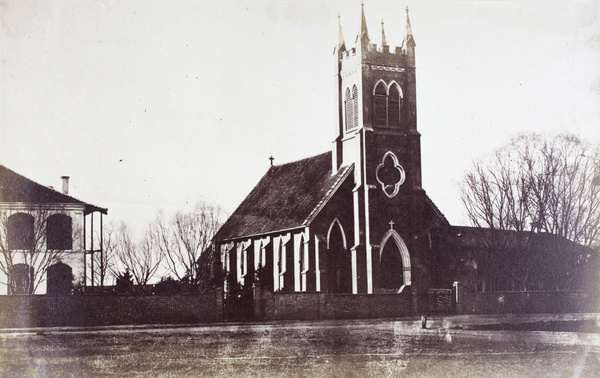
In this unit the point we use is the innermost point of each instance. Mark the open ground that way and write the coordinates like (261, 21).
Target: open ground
(450, 346)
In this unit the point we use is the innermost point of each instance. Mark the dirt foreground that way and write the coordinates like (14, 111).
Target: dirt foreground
(449, 347)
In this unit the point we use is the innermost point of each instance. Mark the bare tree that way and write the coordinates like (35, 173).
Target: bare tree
(535, 184)
(25, 255)
(141, 258)
(538, 184)
(563, 174)
(106, 267)
(185, 239)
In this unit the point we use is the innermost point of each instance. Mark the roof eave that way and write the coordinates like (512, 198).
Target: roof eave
(313, 214)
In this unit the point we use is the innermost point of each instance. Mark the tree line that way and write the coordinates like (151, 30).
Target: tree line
(177, 247)
(533, 189)
(539, 184)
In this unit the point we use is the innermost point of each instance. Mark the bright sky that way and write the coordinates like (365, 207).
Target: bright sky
(158, 104)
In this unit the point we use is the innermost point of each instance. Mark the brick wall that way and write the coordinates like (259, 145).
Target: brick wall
(278, 306)
(88, 310)
(526, 302)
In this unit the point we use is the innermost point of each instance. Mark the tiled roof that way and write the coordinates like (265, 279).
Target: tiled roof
(17, 188)
(288, 196)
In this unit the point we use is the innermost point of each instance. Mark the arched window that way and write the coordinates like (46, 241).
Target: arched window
(380, 105)
(391, 267)
(21, 280)
(59, 232)
(349, 110)
(20, 231)
(387, 104)
(394, 101)
(354, 106)
(339, 265)
(59, 278)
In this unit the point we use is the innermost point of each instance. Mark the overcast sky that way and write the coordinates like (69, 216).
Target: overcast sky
(159, 104)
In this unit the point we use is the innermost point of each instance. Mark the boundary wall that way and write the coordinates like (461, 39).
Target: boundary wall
(301, 306)
(92, 310)
(469, 301)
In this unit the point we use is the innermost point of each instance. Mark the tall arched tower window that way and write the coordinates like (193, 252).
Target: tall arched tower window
(349, 110)
(354, 106)
(394, 103)
(380, 104)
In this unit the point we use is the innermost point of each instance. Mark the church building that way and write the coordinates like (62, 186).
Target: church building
(356, 219)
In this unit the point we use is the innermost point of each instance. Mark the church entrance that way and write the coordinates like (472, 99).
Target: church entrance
(391, 267)
(340, 265)
(394, 263)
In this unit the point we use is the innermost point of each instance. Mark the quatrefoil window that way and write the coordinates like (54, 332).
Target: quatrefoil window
(390, 174)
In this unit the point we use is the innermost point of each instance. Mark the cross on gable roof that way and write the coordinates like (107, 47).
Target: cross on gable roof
(288, 196)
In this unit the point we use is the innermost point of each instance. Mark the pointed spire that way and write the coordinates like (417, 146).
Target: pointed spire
(409, 35)
(341, 43)
(383, 39)
(408, 28)
(364, 33)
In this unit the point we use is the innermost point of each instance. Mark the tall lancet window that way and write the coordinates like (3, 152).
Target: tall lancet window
(349, 110)
(394, 102)
(355, 106)
(380, 105)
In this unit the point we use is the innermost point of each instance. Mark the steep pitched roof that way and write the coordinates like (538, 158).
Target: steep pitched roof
(17, 188)
(436, 211)
(288, 196)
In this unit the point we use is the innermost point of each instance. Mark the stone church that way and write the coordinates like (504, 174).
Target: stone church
(355, 219)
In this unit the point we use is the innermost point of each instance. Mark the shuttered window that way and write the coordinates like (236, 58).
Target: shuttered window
(354, 107)
(394, 106)
(380, 105)
(349, 110)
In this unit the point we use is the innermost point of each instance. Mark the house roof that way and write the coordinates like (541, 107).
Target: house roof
(288, 196)
(17, 188)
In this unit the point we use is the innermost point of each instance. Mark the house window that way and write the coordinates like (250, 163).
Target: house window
(21, 280)
(59, 232)
(20, 231)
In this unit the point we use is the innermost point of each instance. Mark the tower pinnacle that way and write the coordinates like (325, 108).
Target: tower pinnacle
(383, 39)
(341, 43)
(410, 41)
(364, 33)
